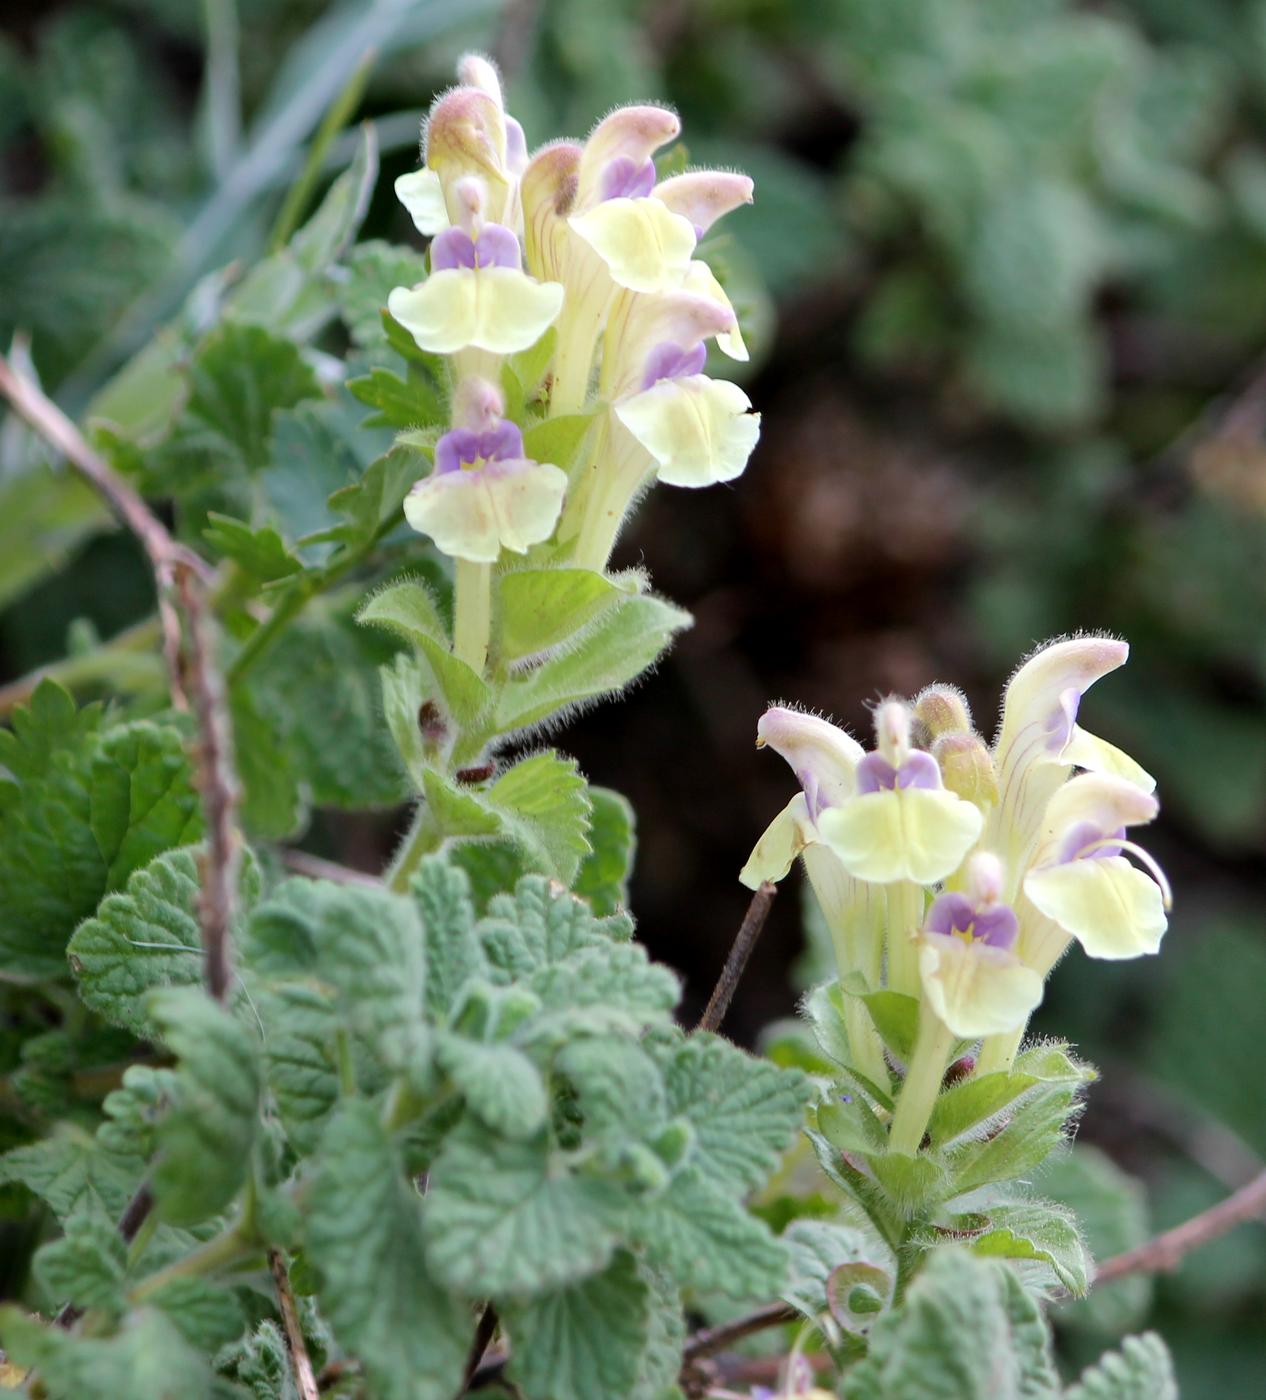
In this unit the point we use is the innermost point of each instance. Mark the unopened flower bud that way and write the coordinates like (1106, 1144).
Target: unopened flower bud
(984, 878)
(966, 768)
(477, 404)
(466, 135)
(474, 70)
(892, 731)
(941, 709)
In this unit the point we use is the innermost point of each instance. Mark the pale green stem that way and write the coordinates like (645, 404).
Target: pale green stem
(905, 915)
(472, 613)
(227, 1248)
(424, 837)
(926, 1070)
(998, 1052)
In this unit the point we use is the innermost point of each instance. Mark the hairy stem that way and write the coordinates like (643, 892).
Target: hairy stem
(224, 1249)
(932, 1048)
(472, 613)
(905, 914)
(424, 837)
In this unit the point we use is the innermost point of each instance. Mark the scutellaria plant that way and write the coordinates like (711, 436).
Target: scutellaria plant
(451, 1107)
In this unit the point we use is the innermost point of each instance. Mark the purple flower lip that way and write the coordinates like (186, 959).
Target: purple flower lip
(463, 447)
(1059, 724)
(876, 774)
(670, 361)
(1085, 841)
(495, 246)
(625, 178)
(954, 913)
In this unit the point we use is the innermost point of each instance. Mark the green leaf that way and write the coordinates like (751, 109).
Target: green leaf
(411, 402)
(206, 1315)
(142, 801)
(603, 877)
(70, 1171)
(260, 552)
(544, 804)
(1110, 1206)
(817, 1248)
(317, 450)
(624, 640)
(582, 1341)
(616, 988)
(86, 1266)
(146, 1360)
(273, 805)
(373, 504)
(452, 952)
(1141, 1370)
(972, 1103)
(824, 1007)
(501, 1086)
(204, 1140)
(1042, 1232)
(619, 1088)
(337, 219)
(147, 937)
(849, 1124)
(79, 811)
(364, 945)
(374, 270)
(512, 1218)
(539, 925)
(407, 608)
(557, 440)
(299, 1058)
(896, 1018)
(966, 1331)
(912, 1183)
(240, 375)
(745, 1112)
(364, 1236)
(707, 1241)
(538, 608)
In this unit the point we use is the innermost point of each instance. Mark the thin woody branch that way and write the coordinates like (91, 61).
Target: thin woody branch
(180, 576)
(741, 950)
(296, 1348)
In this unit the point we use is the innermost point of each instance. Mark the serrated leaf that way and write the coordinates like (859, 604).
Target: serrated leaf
(410, 402)
(274, 806)
(619, 1088)
(816, 1249)
(512, 1218)
(616, 988)
(973, 1102)
(374, 502)
(544, 803)
(374, 270)
(147, 937)
(69, 1171)
(1042, 1232)
(207, 1315)
(146, 1360)
(665, 1339)
(205, 1138)
(538, 608)
(240, 375)
(299, 1063)
(86, 1266)
(363, 946)
(132, 1112)
(584, 1340)
(452, 952)
(707, 1241)
(745, 1112)
(1140, 1370)
(364, 1236)
(912, 1183)
(407, 608)
(625, 639)
(79, 811)
(501, 1086)
(540, 925)
(966, 1331)
(603, 877)
(257, 550)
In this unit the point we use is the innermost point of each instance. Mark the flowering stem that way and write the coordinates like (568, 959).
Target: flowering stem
(609, 500)
(998, 1052)
(424, 837)
(472, 613)
(926, 1070)
(905, 914)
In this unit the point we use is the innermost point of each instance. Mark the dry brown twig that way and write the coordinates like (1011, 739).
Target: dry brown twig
(740, 951)
(300, 1361)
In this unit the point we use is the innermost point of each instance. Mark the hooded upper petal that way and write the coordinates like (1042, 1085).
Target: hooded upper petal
(494, 308)
(703, 196)
(698, 430)
(822, 756)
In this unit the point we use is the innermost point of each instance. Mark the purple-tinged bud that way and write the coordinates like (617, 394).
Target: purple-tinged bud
(962, 1068)
(477, 71)
(635, 132)
(984, 878)
(547, 192)
(966, 767)
(466, 135)
(704, 196)
(941, 709)
(477, 404)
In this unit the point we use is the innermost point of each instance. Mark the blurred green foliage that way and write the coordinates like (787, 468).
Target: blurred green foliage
(1041, 224)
